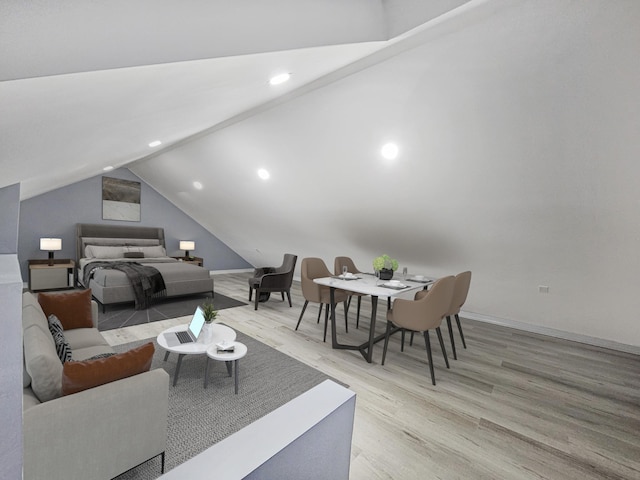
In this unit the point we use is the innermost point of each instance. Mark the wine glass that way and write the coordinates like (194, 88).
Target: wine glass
(344, 271)
(405, 271)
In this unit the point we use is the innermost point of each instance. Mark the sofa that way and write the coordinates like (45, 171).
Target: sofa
(100, 431)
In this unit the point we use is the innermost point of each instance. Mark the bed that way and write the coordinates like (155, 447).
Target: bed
(99, 248)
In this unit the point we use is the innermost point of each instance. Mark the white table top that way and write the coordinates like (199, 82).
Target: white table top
(220, 333)
(369, 285)
(240, 350)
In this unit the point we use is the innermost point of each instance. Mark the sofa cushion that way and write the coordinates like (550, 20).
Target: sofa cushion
(84, 337)
(29, 399)
(32, 314)
(57, 332)
(42, 363)
(73, 309)
(78, 376)
(86, 353)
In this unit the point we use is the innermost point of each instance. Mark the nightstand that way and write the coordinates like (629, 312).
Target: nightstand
(43, 276)
(194, 260)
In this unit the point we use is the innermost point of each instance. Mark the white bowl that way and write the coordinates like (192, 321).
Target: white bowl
(419, 277)
(394, 283)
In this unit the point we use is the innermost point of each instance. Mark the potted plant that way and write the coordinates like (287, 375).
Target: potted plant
(209, 312)
(386, 266)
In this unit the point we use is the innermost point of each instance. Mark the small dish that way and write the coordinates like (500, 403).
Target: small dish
(395, 285)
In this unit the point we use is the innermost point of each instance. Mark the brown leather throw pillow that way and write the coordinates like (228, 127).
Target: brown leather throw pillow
(79, 376)
(72, 309)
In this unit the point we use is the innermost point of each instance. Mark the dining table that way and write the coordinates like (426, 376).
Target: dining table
(368, 284)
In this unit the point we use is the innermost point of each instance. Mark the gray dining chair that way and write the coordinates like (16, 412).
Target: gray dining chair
(460, 292)
(425, 312)
(311, 268)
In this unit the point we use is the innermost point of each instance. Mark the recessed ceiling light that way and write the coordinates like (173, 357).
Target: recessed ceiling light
(197, 185)
(389, 151)
(108, 168)
(263, 174)
(280, 78)
(155, 143)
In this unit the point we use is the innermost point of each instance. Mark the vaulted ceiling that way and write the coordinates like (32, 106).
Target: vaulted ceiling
(503, 112)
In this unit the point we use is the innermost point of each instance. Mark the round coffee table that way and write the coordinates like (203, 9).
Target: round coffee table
(219, 333)
(239, 351)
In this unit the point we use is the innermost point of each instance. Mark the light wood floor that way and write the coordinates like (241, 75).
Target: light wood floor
(515, 405)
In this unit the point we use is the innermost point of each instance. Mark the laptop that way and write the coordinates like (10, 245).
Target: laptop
(189, 335)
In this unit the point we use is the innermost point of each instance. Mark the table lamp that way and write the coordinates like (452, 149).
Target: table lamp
(50, 245)
(187, 245)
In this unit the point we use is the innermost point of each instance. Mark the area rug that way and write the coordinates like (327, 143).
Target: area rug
(123, 315)
(200, 417)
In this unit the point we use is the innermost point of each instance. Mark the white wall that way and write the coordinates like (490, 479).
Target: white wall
(11, 338)
(518, 130)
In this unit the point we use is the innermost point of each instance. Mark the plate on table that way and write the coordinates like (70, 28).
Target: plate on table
(420, 280)
(342, 277)
(395, 286)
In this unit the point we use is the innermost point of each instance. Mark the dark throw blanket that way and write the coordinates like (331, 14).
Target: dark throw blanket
(147, 282)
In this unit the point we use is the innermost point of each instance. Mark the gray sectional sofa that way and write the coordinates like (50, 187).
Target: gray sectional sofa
(97, 433)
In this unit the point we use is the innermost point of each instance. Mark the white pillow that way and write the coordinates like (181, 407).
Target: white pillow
(103, 251)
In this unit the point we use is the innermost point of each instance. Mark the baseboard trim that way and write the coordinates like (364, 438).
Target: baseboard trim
(552, 332)
(237, 270)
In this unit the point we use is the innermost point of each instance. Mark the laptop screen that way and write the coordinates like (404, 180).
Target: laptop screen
(197, 322)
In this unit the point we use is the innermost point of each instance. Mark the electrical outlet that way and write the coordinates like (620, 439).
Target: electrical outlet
(543, 289)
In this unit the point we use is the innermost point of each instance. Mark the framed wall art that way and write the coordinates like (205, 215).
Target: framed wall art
(120, 199)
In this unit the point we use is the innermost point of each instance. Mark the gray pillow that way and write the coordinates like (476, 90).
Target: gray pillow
(63, 349)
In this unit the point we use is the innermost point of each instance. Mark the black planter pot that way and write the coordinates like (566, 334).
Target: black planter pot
(386, 274)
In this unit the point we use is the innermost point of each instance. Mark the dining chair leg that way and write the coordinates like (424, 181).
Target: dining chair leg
(320, 312)
(411, 340)
(444, 352)
(304, 307)
(250, 293)
(282, 293)
(460, 330)
(358, 314)
(326, 321)
(386, 340)
(427, 343)
(402, 341)
(289, 297)
(453, 343)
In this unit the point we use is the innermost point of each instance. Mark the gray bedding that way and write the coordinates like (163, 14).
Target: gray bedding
(172, 270)
(100, 243)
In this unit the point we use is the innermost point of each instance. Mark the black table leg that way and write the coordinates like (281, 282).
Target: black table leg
(366, 349)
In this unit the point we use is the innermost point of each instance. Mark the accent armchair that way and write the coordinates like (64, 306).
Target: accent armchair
(273, 279)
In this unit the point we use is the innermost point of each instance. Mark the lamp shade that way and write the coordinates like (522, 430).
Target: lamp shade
(187, 245)
(50, 244)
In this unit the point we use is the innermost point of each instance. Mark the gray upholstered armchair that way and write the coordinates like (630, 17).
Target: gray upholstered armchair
(273, 279)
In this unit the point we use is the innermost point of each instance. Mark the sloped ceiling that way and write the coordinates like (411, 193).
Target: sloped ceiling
(85, 85)
(504, 113)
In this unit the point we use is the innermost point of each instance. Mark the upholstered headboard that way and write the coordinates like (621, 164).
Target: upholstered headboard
(93, 234)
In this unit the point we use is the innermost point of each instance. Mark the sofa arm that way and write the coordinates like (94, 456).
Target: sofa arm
(98, 433)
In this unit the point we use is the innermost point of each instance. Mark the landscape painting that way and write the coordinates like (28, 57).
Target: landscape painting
(120, 199)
